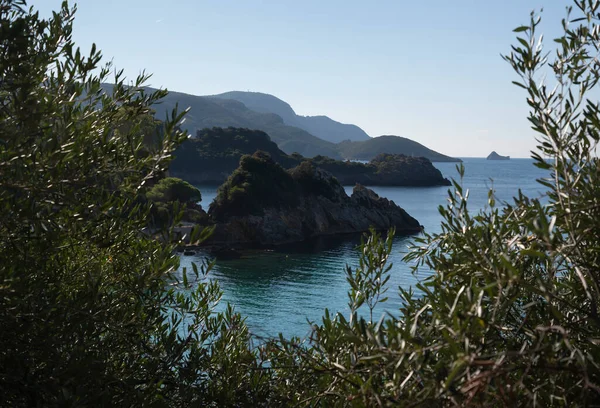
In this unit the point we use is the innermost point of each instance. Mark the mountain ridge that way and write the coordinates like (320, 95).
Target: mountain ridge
(206, 112)
(210, 111)
(321, 126)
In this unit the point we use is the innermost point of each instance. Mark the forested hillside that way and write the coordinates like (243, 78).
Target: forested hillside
(390, 144)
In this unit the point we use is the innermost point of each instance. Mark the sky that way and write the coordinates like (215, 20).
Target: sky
(429, 70)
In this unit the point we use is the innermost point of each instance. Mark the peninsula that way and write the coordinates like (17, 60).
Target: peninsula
(214, 154)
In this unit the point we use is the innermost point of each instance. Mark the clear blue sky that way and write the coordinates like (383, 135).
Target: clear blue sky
(427, 70)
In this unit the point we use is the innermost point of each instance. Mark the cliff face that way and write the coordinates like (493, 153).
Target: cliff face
(262, 204)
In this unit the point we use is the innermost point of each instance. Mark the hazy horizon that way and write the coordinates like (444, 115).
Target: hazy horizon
(431, 72)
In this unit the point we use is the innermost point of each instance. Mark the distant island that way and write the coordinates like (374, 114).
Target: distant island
(215, 153)
(262, 204)
(495, 156)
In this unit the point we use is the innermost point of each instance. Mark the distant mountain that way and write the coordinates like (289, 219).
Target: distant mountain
(320, 126)
(495, 156)
(367, 150)
(208, 112)
(275, 117)
(290, 139)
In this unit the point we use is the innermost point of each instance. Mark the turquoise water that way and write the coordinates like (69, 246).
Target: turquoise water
(279, 290)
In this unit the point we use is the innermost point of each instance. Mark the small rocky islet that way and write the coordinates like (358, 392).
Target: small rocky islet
(495, 156)
(262, 204)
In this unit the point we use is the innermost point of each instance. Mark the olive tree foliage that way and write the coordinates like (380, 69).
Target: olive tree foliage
(368, 282)
(92, 312)
(509, 316)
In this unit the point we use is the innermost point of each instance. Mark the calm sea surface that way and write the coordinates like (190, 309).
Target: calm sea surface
(279, 290)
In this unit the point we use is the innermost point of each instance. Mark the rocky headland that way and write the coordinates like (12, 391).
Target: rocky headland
(262, 204)
(214, 154)
(370, 148)
(385, 169)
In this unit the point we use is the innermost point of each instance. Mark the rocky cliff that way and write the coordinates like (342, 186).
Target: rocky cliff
(262, 204)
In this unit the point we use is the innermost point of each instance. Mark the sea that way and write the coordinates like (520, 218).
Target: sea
(285, 290)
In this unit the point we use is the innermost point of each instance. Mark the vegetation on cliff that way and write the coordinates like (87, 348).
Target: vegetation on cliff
(173, 189)
(262, 203)
(170, 196)
(402, 170)
(258, 183)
